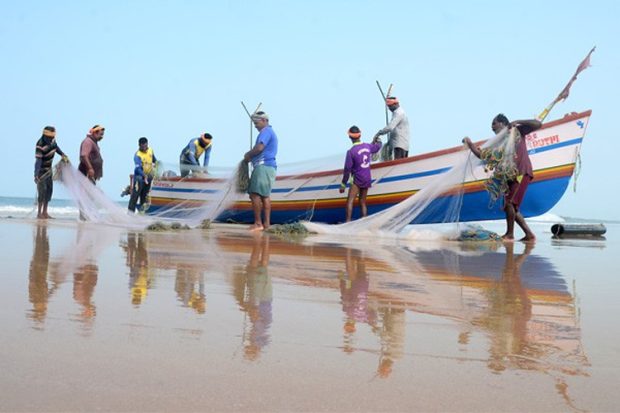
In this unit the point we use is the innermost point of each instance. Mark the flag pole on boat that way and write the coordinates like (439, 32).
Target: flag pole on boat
(585, 63)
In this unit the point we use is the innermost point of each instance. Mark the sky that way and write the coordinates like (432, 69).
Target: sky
(170, 70)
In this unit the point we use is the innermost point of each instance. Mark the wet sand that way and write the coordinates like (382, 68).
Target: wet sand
(98, 318)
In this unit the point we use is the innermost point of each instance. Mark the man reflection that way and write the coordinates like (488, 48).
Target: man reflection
(38, 290)
(354, 284)
(190, 287)
(85, 280)
(392, 334)
(253, 292)
(137, 262)
(509, 311)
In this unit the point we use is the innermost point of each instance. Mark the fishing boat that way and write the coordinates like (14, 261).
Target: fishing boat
(314, 196)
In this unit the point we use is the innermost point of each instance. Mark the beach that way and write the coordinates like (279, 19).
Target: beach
(101, 318)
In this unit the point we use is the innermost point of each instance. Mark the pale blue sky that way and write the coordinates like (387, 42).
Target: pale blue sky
(169, 70)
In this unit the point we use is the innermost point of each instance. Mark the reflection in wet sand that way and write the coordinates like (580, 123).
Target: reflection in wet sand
(140, 273)
(38, 288)
(503, 306)
(253, 291)
(519, 301)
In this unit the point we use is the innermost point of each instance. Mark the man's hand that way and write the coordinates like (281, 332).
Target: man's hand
(342, 187)
(91, 173)
(65, 159)
(467, 141)
(376, 138)
(36, 179)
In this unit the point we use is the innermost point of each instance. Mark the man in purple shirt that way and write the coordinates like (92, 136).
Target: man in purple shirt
(517, 187)
(357, 163)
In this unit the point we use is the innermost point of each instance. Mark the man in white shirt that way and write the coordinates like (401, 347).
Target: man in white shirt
(398, 128)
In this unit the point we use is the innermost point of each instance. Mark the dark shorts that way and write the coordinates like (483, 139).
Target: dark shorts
(45, 187)
(400, 153)
(263, 178)
(516, 191)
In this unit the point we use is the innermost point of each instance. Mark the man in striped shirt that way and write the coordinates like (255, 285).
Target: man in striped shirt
(44, 153)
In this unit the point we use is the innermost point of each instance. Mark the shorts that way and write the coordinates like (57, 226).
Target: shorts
(516, 192)
(45, 187)
(263, 178)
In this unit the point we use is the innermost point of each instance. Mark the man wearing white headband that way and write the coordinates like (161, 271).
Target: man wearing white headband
(398, 128)
(263, 157)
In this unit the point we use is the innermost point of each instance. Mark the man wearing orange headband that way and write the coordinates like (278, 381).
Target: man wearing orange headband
(398, 128)
(45, 150)
(357, 163)
(189, 160)
(91, 163)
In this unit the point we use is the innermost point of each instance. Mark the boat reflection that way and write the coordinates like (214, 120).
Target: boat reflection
(517, 300)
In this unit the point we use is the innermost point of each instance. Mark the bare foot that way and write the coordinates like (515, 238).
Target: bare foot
(508, 238)
(528, 238)
(40, 216)
(46, 216)
(256, 228)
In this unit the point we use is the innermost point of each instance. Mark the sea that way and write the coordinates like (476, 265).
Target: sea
(26, 207)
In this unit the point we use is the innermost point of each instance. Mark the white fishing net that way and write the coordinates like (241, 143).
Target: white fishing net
(96, 206)
(442, 197)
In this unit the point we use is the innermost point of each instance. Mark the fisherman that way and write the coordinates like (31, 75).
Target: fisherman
(91, 163)
(45, 150)
(143, 174)
(190, 155)
(263, 157)
(357, 163)
(398, 128)
(516, 186)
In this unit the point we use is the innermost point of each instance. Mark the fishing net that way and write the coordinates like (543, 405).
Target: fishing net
(442, 197)
(95, 206)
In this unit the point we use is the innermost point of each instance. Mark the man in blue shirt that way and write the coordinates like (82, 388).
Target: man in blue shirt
(188, 161)
(263, 157)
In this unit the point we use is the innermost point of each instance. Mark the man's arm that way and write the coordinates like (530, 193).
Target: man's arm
(139, 169)
(256, 150)
(346, 173)
(192, 154)
(473, 148)
(396, 118)
(205, 162)
(526, 126)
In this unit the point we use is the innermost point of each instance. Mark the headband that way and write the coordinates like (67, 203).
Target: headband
(96, 129)
(49, 133)
(391, 101)
(353, 135)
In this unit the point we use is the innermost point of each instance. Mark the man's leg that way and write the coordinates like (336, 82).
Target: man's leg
(267, 211)
(363, 208)
(529, 235)
(510, 221)
(135, 194)
(353, 191)
(256, 207)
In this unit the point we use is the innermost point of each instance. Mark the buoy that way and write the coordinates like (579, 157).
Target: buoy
(578, 230)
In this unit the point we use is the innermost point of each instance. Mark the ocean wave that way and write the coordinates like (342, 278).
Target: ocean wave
(19, 211)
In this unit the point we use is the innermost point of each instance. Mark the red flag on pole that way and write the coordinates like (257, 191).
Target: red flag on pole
(582, 66)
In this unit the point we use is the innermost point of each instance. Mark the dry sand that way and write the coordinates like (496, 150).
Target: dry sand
(97, 318)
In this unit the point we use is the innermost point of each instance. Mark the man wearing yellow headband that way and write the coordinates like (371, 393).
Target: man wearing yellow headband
(91, 163)
(45, 150)
(190, 155)
(398, 128)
